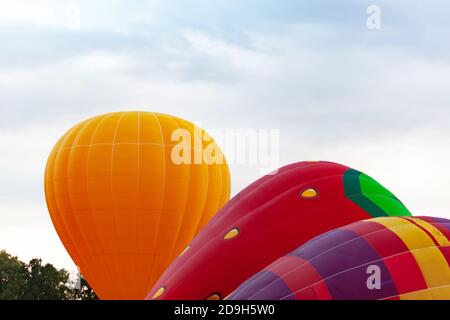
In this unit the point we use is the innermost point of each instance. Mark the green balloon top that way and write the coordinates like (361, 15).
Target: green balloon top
(372, 196)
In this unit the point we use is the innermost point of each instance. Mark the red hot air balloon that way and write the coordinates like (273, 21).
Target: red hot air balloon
(267, 220)
(383, 258)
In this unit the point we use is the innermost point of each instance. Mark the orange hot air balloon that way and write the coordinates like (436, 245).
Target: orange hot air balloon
(128, 191)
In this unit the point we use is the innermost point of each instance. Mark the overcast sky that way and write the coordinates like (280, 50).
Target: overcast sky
(376, 100)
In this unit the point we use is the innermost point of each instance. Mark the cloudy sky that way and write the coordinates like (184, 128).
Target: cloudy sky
(376, 100)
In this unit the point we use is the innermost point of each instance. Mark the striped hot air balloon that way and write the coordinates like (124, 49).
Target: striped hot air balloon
(267, 220)
(382, 258)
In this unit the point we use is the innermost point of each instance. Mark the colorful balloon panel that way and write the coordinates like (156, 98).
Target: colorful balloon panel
(382, 258)
(267, 220)
(120, 204)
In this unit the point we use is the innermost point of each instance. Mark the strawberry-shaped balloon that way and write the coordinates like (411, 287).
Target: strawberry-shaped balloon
(269, 219)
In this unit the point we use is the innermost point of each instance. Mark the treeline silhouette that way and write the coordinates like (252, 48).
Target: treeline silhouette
(37, 281)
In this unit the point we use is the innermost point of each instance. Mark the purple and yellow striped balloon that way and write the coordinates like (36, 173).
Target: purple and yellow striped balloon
(382, 258)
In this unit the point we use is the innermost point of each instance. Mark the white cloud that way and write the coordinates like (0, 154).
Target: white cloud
(27, 232)
(381, 108)
(28, 12)
(412, 164)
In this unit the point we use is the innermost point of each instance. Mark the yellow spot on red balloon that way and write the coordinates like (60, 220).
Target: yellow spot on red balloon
(309, 193)
(159, 293)
(233, 233)
(214, 296)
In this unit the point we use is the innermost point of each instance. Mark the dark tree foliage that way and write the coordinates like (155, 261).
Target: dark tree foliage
(13, 277)
(45, 282)
(37, 281)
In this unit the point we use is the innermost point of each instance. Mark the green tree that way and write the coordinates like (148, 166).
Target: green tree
(45, 282)
(13, 277)
(37, 281)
